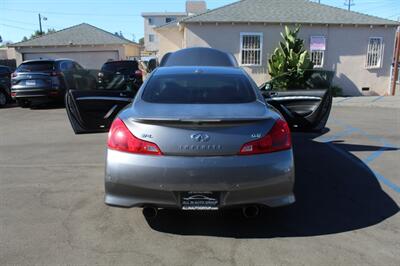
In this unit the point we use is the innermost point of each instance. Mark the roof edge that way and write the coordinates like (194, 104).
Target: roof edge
(160, 14)
(17, 44)
(396, 24)
(389, 21)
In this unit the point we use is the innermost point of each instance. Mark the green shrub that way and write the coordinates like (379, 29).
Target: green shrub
(289, 62)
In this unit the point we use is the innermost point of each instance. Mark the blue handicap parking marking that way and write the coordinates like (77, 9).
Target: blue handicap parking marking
(349, 130)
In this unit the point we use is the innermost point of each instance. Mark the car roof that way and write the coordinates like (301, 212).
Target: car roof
(120, 61)
(200, 56)
(177, 70)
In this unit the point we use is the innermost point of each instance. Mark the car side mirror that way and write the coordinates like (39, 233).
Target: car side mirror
(266, 86)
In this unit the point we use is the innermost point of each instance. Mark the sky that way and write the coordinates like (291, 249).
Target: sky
(19, 18)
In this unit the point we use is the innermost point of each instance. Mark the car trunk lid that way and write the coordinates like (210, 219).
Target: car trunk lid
(32, 79)
(199, 129)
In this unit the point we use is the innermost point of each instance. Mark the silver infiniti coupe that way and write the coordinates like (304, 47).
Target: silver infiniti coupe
(199, 134)
(199, 138)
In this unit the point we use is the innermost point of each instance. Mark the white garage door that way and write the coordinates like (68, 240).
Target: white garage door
(90, 60)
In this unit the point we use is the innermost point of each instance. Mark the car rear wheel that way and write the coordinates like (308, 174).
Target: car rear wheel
(24, 103)
(3, 98)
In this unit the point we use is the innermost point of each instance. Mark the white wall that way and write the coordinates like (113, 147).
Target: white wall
(171, 39)
(149, 29)
(345, 54)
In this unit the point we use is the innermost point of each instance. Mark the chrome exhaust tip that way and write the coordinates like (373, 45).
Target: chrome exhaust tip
(150, 212)
(251, 211)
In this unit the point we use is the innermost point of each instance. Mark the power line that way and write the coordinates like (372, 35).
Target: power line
(17, 27)
(72, 14)
(16, 21)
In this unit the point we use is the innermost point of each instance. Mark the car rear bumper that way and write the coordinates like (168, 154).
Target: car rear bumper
(37, 94)
(139, 180)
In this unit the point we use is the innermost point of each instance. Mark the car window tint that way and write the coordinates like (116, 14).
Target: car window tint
(125, 67)
(66, 65)
(198, 56)
(44, 66)
(77, 66)
(199, 88)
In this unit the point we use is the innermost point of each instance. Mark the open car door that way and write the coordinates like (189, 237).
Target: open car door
(306, 105)
(92, 108)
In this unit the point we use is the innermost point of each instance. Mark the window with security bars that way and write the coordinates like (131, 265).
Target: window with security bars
(251, 49)
(398, 75)
(317, 57)
(374, 53)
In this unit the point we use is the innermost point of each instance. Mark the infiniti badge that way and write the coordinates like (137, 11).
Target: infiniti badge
(200, 137)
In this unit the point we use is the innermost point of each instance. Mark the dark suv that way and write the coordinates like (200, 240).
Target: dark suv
(43, 81)
(5, 84)
(129, 69)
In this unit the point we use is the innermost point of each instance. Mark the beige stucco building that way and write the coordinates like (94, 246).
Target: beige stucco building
(153, 20)
(359, 48)
(84, 43)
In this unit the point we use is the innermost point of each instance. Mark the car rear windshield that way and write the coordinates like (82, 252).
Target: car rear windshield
(123, 67)
(199, 88)
(43, 66)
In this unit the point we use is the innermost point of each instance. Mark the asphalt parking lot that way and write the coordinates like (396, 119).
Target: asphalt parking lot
(347, 188)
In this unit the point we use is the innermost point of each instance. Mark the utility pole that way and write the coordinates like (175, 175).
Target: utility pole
(349, 4)
(40, 23)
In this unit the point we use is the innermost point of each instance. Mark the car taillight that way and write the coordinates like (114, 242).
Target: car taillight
(55, 74)
(121, 139)
(277, 139)
(138, 73)
(13, 75)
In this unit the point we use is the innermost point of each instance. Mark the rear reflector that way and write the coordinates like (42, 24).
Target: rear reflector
(13, 94)
(55, 74)
(121, 139)
(278, 139)
(138, 73)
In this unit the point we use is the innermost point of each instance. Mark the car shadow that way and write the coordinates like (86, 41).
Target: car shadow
(9, 106)
(48, 106)
(335, 192)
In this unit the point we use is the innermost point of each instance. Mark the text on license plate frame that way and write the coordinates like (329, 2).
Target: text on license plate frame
(200, 200)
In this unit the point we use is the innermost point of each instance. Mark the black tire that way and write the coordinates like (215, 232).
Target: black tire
(24, 103)
(3, 98)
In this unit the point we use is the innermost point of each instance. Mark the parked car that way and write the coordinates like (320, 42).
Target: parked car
(199, 135)
(43, 81)
(128, 68)
(195, 137)
(5, 85)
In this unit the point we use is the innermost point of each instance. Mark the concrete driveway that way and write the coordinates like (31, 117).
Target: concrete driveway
(347, 188)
